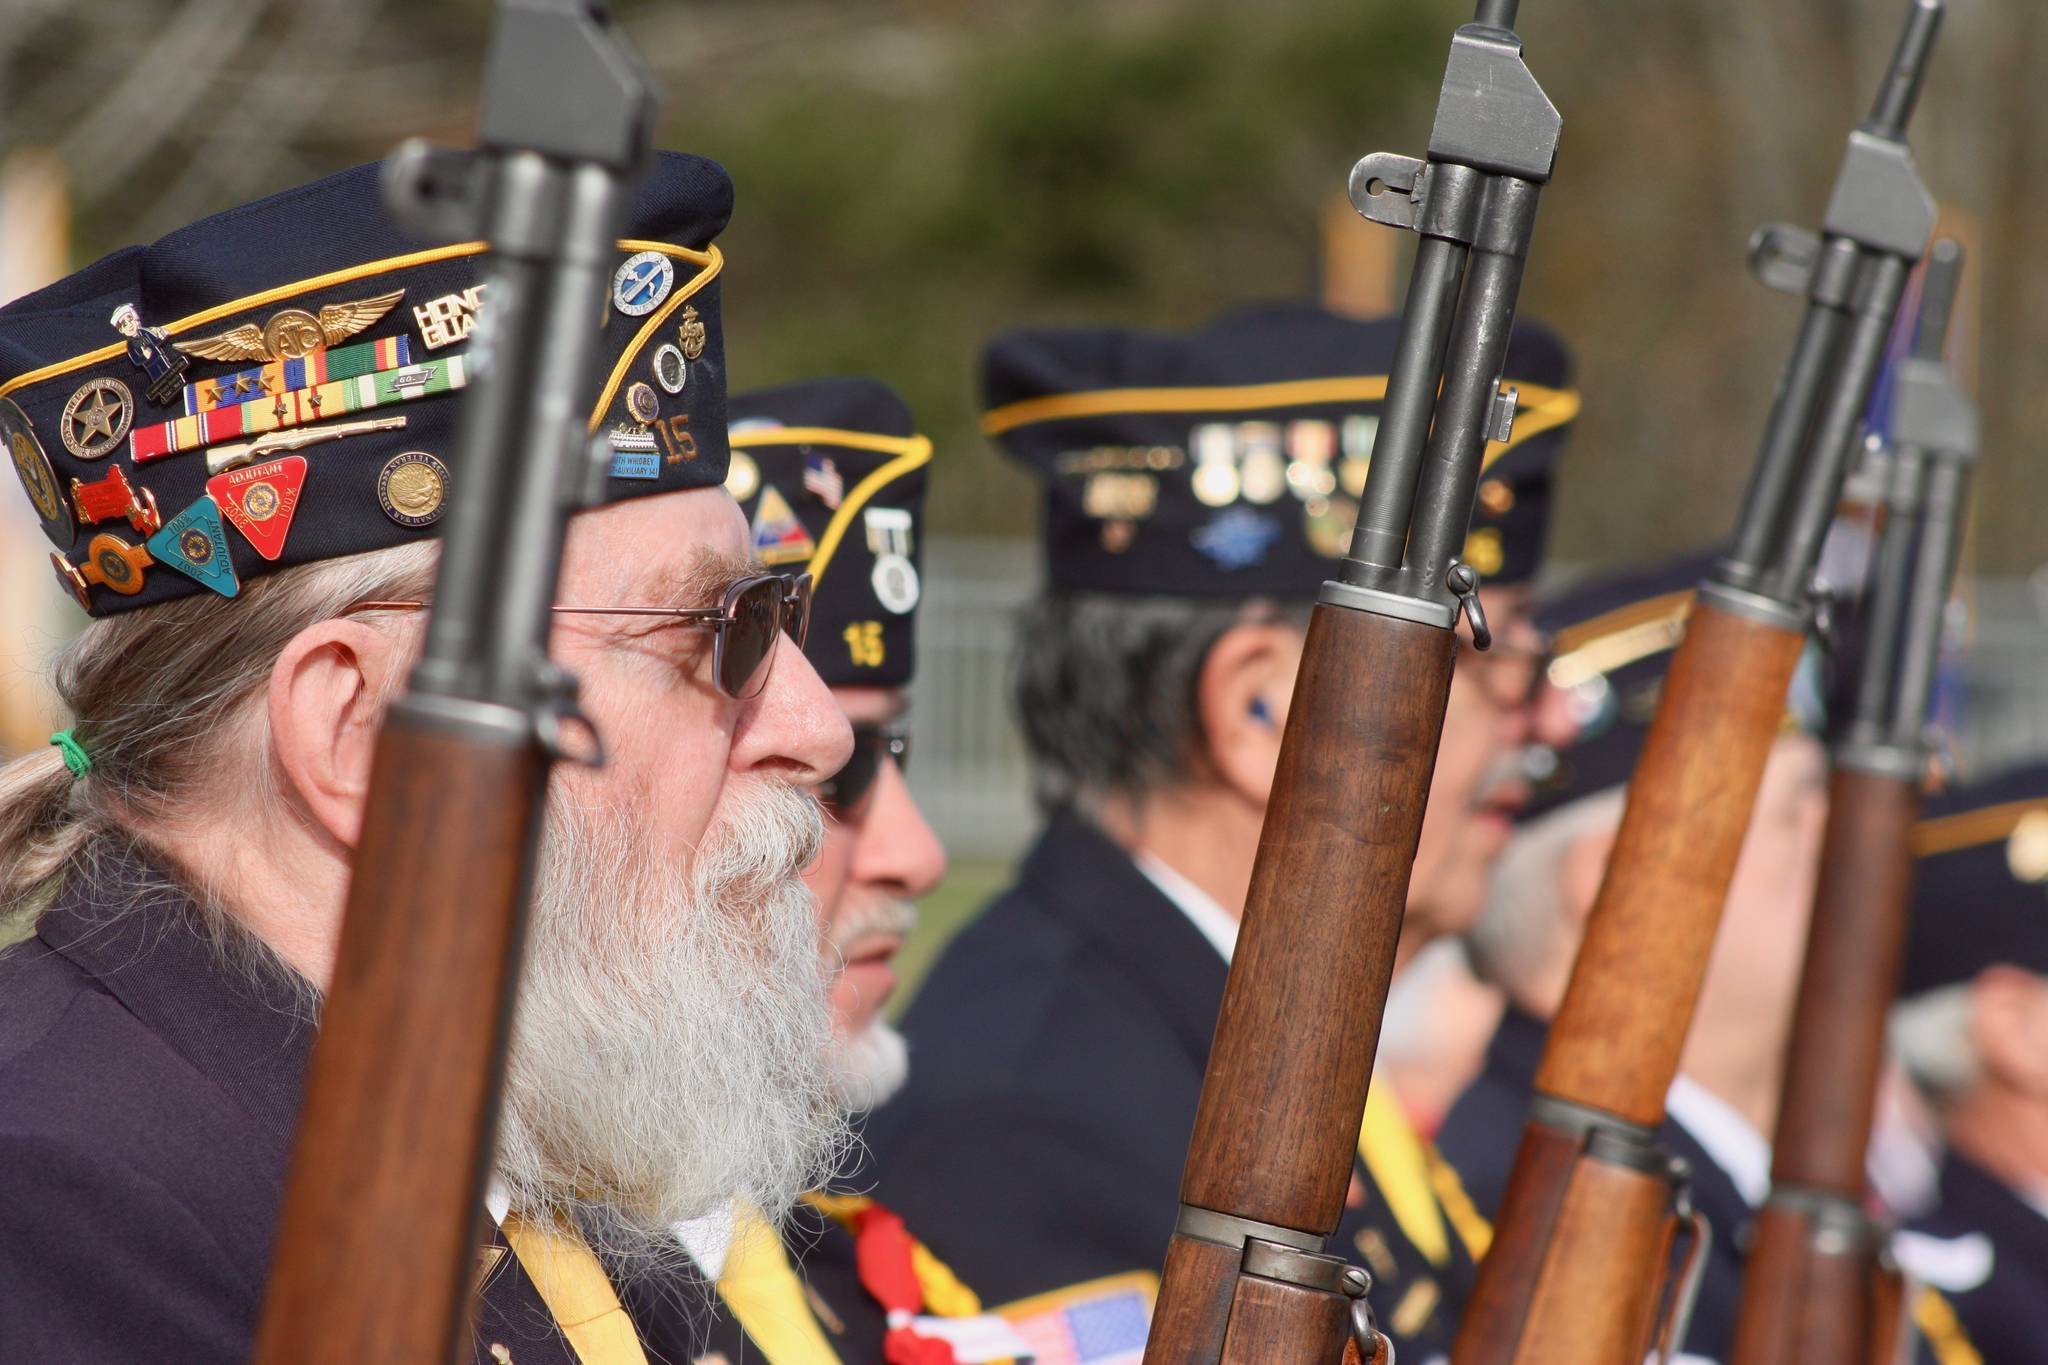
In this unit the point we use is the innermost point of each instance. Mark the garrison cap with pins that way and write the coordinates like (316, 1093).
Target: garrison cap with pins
(274, 385)
(1227, 461)
(1980, 887)
(831, 476)
(1611, 641)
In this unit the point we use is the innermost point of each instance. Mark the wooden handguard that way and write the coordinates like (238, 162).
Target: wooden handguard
(1285, 1090)
(1811, 1286)
(1854, 952)
(418, 1005)
(1617, 1038)
(1578, 1262)
(1810, 1296)
(1301, 1014)
(1562, 1262)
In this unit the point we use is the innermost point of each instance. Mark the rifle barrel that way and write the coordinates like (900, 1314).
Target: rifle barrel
(1901, 88)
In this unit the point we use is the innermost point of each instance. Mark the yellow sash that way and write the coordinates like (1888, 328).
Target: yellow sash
(577, 1292)
(762, 1290)
(1419, 1186)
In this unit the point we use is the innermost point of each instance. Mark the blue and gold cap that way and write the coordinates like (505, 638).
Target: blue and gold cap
(1611, 642)
(1228, 461)
(1980, 887)
(275, 385)
(831, 476)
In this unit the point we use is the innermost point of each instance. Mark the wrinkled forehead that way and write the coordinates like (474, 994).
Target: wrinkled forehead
(645, 550)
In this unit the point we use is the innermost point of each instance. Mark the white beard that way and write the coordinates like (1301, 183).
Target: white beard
(669, 1054)
(870, 1067)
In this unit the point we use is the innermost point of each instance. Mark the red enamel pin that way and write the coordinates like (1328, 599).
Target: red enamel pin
(111, 497)
(260, 500)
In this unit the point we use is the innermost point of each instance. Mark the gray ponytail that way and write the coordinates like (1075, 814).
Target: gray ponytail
(152, 694)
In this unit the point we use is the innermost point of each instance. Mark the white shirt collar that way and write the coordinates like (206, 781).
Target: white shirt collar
(1216, 924)
(1742, 1153)
(708, 1239)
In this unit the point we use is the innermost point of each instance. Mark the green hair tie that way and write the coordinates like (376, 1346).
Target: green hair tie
(75, 756)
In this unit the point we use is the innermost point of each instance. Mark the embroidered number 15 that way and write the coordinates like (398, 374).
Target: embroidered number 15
(864, 643)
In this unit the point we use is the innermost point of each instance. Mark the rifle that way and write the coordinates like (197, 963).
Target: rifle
(1270, 1158)
(1576, 1271)
(377, 1241)
(1813, 1282)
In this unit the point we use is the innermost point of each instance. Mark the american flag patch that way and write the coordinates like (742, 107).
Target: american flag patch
(1100, 1323)
(822, 477)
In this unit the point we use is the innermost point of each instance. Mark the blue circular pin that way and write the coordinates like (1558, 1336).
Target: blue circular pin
(642, 283)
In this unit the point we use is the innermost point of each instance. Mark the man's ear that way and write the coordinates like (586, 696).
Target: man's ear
(324, 708)
(2010, 1020)
(1241, 698)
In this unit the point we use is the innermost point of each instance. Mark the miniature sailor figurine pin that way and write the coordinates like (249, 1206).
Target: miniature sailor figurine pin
(151, 351)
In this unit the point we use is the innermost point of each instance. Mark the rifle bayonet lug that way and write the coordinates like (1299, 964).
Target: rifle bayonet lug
(437, 194)
(1492, 114)
(1879, 199)
(1390, 188)
(1783, 257)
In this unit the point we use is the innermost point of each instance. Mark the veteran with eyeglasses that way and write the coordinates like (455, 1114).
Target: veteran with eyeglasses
(180, 853)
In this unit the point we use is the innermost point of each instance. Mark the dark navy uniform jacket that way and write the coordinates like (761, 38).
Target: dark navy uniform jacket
(2006, 1316)
(1057, 1051)
(148, 1091)
(1482, 1130)
(678, 1328)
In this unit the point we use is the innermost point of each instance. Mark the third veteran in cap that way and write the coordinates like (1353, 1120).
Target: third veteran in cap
(254, 538)
(830, 474)
(1199, 488)
(1972, 1030)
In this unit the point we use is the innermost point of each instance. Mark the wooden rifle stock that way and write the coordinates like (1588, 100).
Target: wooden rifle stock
(1585, 1226)
(1618, 1035)
(1812, 1285)
(1563, 1259)
(376, 1244)
(1301, 1014)
(400, 1106)
(1818, 1288)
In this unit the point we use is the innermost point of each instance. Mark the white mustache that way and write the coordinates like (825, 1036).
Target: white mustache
(861, 916)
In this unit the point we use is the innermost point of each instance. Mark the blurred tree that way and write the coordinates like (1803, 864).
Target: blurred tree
(914, 175)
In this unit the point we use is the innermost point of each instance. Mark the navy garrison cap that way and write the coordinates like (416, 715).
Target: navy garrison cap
(1611, 642)
(1980, 889)
(831, 476)
(276, 384)
(1228, 461)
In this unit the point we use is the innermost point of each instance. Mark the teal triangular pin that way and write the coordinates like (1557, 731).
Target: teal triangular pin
(195, 543)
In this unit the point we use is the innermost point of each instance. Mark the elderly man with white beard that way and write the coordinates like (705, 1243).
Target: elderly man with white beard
(183, 849)
(832, 475)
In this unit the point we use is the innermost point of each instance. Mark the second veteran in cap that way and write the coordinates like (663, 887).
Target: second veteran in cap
(830, 475)
(253, 524)
(1198, 488)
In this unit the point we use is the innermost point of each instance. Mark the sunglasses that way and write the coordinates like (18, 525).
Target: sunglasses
(751, 617)
(845, 792)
